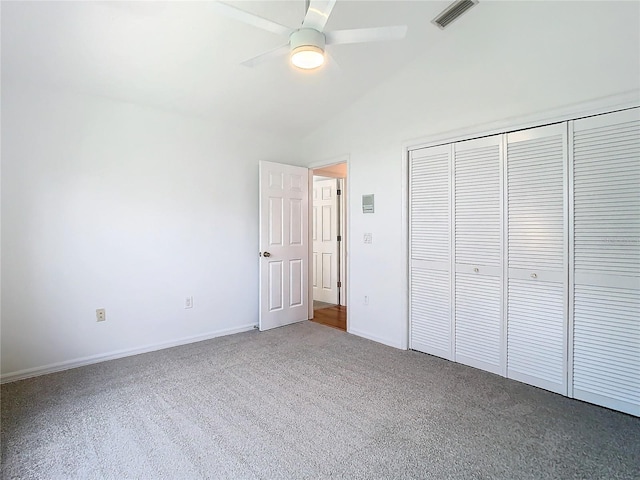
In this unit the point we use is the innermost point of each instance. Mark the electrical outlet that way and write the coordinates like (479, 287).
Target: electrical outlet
(188, 302)
(101, 315)
(366, 299)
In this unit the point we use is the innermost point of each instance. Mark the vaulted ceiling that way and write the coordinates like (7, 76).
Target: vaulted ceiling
(185, 56)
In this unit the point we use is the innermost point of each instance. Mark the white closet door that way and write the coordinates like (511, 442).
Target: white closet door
(606, 260)
(537, 256)
(478, 253)
(430, 310)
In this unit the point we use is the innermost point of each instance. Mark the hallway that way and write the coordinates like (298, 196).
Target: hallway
(334, 316)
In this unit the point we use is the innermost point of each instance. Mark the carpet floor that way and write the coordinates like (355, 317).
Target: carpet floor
(303, 401)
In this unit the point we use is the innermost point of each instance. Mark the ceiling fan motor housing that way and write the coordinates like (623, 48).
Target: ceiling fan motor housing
(307, 37)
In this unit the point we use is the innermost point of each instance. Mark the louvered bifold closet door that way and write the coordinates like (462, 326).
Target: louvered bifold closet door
(478, 253)
(430, 304)
(606, 253)
(536, 162)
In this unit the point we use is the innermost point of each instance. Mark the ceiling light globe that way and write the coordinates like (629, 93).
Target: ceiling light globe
(307, 57)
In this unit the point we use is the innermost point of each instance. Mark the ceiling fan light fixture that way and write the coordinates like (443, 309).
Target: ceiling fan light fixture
(307, 48)
(306, 45)
(307, 57)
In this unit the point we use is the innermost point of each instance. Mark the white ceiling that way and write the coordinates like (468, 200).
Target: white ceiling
(184, 56)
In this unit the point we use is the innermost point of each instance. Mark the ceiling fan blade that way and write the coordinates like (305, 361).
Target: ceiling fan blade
(263, 57)
(318, 14)
(251, 19)
(331, 64)
(361, 35)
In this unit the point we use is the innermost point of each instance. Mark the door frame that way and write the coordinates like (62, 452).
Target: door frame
(344, 224)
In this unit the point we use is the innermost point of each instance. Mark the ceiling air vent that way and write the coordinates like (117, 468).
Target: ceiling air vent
(452, 12)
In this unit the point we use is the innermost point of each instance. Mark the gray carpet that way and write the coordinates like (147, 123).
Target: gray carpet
(304, 401)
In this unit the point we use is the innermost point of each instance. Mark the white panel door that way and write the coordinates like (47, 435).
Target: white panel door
(284, 233)
(325, 241)
(536, 164)
(606, 260)
(478, 253)
(430, 245)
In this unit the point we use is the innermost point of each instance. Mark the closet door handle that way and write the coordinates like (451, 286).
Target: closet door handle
(534, 275)
(476, 269)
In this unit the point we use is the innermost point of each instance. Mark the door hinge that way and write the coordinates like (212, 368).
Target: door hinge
(339, 284)
(339, 238)
(339, 192)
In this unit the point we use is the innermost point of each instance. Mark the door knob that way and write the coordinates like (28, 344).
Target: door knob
(266, 254)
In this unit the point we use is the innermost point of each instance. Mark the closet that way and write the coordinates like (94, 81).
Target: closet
(430, 209)
(525, 256)
(537, 255)
(606, 260)
(478, 263)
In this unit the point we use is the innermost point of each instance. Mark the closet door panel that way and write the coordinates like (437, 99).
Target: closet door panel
(535, 166)
(430, 312)
(606, 260)
(430, 205)
(536, 333)
(477, 202)
(430, 246)
(478, 321)
(537, 256)
(607, 347)
(478, 253)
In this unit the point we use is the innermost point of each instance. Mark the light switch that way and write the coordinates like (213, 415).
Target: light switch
(367, 203)
(368, 238)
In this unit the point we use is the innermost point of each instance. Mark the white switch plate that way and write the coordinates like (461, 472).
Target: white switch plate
(101, 315)
(368, 238)
(188, 302)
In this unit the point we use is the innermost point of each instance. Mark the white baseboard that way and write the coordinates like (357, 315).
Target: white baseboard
(103, 357)
(375, 338)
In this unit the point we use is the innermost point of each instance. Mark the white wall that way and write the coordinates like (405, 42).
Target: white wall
(515, 59)
(111, 205)
(107, 204)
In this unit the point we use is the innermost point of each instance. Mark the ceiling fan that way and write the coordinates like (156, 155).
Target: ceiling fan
(307, 44)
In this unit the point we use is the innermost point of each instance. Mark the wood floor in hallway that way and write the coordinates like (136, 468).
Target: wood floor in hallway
(335, 317)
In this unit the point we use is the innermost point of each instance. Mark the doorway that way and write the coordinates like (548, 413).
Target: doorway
(328, 235)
